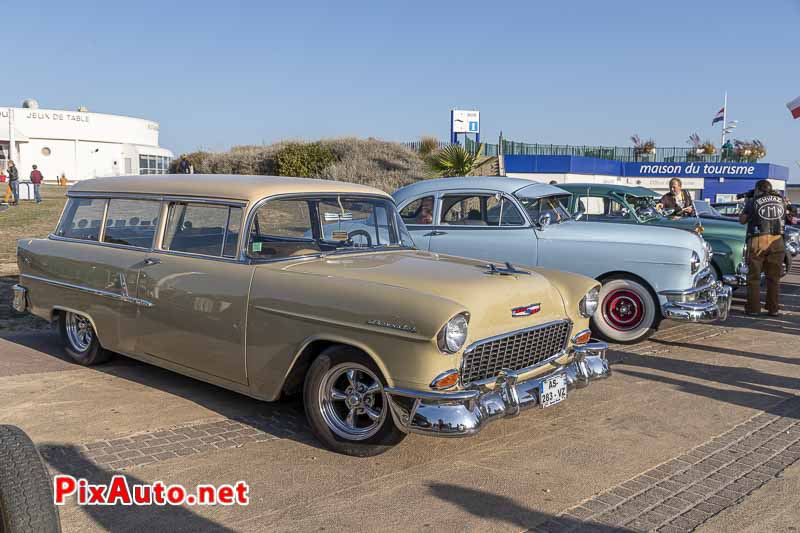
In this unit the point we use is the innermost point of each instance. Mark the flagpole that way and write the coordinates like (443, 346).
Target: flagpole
(724, 119)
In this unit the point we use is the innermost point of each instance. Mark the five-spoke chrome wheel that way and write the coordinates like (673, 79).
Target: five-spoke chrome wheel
(79, 332)
(351, 401)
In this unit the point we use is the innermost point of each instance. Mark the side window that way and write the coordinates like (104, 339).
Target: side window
(82, 219)
(463, 210)
(420, 211)
(502, 212)
(602, 208)
(132, 222)
(282, 228)
(203, 229)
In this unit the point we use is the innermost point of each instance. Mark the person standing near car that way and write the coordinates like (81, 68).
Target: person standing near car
(36, 179)
(677, 199)
(765, 216)
(13, 181)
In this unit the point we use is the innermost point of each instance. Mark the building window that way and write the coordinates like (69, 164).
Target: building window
(153, 164)
(46, 151)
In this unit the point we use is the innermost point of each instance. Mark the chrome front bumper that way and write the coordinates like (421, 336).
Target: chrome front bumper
(706, 303)
(463, 413)
(20, 302)
(739, 279)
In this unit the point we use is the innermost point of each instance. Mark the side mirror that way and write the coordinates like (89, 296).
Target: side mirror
(578, 215)
(625, 212)
(544, 221)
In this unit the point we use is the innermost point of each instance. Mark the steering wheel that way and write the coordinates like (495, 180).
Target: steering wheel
(362, 233)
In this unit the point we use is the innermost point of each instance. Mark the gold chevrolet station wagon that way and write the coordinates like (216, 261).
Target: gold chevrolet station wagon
(270, 286)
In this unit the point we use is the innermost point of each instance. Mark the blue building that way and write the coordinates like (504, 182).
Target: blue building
(717, 182)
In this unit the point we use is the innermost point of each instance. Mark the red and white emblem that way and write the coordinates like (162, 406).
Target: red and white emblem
(527, 310)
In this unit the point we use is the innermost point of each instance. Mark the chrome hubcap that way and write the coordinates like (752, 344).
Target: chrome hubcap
(351, 401)
(79, 332)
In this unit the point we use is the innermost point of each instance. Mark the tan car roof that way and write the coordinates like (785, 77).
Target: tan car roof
(228, 186)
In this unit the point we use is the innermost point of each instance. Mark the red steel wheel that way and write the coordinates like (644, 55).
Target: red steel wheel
(628, 311)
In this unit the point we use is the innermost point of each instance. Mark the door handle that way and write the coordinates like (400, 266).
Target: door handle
(152, 261)
(434, 233)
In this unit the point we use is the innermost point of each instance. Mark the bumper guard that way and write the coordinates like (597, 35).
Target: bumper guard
(706, 303)
(466, 412)
(20, 302)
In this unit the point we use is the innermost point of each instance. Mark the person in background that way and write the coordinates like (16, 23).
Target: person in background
(36, 179)
(184, 167)
(765, 216)
(13, 181)
(677, 199)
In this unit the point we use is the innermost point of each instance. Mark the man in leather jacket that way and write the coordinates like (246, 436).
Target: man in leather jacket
(677, 199)
(765, 216)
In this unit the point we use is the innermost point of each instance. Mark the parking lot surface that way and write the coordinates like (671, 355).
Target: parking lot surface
(699, 427)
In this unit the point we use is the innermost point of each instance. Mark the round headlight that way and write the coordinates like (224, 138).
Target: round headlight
(589, 303)
(695, 262)
(453, 335)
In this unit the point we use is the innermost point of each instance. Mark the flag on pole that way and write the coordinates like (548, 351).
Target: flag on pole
(719, 117)
(794, 107)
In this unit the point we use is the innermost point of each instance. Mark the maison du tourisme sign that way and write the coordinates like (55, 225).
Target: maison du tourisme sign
(700, 170)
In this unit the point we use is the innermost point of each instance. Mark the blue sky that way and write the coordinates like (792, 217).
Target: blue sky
(217, 74)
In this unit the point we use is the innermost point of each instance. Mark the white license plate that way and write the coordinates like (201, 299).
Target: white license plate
(553, 390)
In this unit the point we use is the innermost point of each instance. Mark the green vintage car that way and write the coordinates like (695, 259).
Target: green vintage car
(602, 202)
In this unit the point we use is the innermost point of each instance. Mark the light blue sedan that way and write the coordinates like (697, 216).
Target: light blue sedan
(648, 273)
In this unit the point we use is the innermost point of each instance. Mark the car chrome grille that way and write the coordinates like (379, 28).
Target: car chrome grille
(518, 350)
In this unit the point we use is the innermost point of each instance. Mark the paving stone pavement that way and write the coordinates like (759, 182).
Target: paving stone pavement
(681, 494)
(155, 446)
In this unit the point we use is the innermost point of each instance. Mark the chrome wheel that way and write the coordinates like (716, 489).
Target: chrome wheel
(351, 401)
(79, 332)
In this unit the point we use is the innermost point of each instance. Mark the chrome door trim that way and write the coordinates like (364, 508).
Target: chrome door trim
(97, 292)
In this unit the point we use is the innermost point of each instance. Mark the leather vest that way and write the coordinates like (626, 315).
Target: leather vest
(767, 215)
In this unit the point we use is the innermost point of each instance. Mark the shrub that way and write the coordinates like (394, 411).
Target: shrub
(453, 160)
(303, 159)
(428, 145)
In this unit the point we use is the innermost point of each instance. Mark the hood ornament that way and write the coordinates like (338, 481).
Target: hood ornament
(509, 270)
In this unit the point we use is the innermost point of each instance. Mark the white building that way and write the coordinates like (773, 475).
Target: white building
(78, 144)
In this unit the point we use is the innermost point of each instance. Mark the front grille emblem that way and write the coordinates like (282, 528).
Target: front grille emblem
(526, 310)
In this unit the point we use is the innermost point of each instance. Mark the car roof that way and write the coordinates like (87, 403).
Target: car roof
(605, 188)
(493, 183)
(227, 186)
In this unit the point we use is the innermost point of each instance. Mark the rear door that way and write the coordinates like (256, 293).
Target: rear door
(482, 225)
(198, 289)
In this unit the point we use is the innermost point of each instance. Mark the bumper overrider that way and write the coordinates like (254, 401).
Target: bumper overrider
(466, 412)
(739, 279)
(706, 303)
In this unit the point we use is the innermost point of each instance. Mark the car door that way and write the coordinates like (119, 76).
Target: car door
(482, 225)
(198, 289)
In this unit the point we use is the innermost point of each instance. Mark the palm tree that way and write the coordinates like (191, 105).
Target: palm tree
(453, 160)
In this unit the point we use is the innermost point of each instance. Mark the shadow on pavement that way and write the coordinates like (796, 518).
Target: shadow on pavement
(68, 460)
(283, 419)
(762, 391)
(501, 509)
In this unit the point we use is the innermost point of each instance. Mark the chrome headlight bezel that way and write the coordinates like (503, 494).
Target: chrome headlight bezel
(453, 335)
(695, 262)
(588, 305)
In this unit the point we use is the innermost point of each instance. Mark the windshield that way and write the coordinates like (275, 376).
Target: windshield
(704, 208)
(548, 205)
(643, 206)
(291, 227)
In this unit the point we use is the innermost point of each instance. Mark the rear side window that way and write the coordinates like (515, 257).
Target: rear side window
(420, 211)
(82, 219)
(202, 229)
(132, 222)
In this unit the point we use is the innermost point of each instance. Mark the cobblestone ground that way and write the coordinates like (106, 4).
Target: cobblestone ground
(679, 495)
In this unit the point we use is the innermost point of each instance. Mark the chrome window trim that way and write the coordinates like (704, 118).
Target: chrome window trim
(95, 243)
(156, 196)
(560, 353)
(97, 292)
(257, 205)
